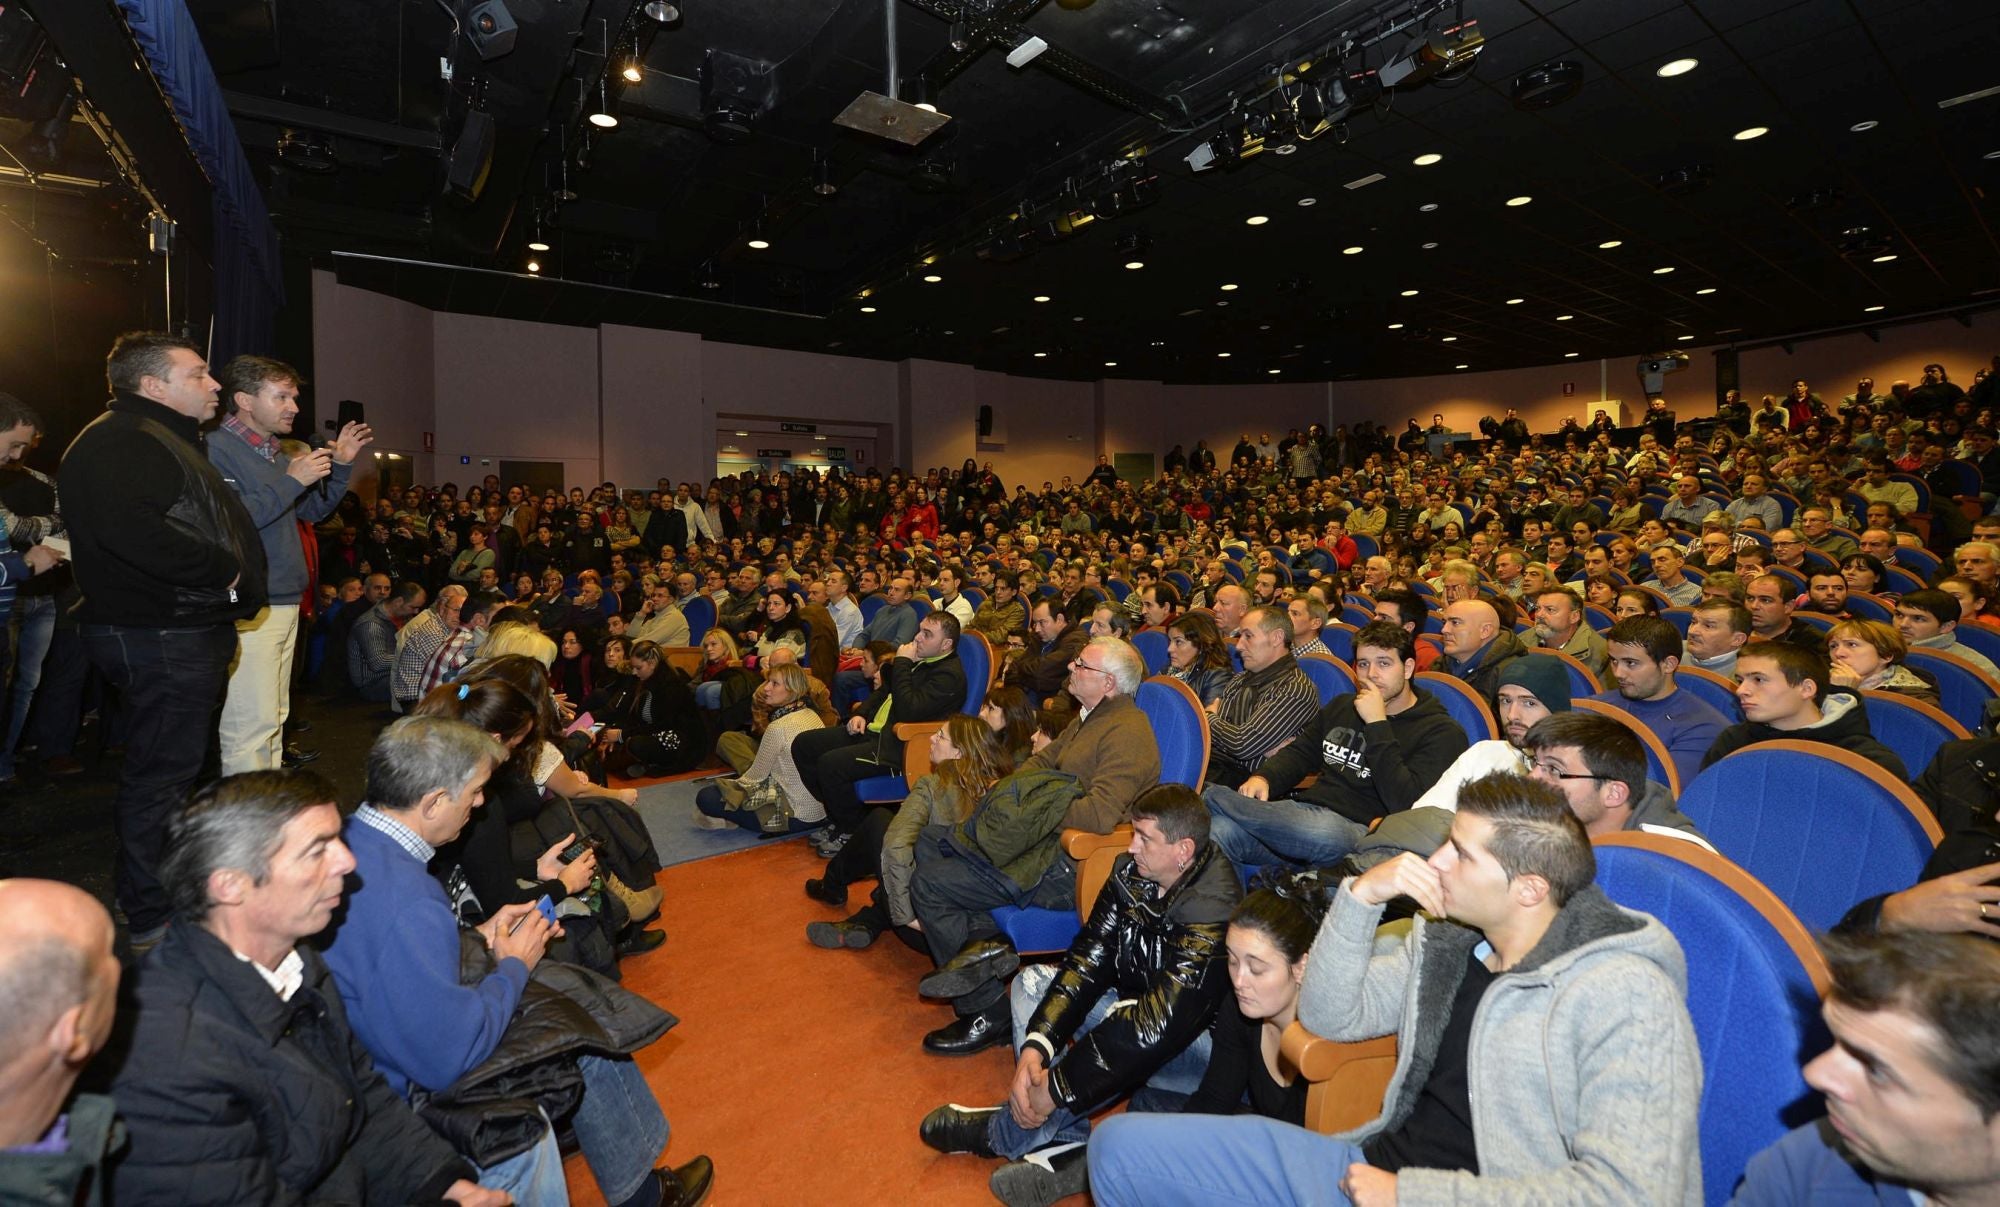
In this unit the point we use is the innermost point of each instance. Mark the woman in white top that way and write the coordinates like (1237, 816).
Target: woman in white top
(789, 697)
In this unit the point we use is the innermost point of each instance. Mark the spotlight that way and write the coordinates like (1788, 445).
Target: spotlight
(663, 12)
(707, 277)
(822, 176)
(961, 37)
(490, 28)
(1432, 54)
(1134, 245)
(632, 72)
(534, 266)
(308, 151)
(1548, 85)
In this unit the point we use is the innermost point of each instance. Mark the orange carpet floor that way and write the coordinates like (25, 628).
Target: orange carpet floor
(799, 1071)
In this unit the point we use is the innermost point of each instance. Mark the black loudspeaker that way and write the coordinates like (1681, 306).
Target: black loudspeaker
(471, 157)
(491, 28)
(1725, 374)
(986, 421)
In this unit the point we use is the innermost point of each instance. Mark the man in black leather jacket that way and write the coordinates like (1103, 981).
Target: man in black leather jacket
(1959, 888)
(1128, 1007)
(168, 560)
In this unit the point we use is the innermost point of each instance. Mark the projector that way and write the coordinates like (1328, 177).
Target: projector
(1653, 371)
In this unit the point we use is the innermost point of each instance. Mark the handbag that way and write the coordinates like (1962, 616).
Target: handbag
(765, 799)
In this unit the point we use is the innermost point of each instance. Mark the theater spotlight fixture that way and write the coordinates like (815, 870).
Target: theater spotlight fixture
(663, 12)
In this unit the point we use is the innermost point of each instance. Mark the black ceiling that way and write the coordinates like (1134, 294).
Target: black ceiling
(1774, 226)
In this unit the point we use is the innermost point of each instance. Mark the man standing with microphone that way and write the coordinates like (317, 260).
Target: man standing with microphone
(261, 397)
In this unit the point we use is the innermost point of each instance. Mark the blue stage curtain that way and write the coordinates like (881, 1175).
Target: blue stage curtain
(248, 286)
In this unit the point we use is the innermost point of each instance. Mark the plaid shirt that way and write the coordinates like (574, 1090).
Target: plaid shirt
(406, 838)
(266, 446)
(450, 659)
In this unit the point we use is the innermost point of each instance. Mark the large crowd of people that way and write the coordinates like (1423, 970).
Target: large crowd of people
(414, 996)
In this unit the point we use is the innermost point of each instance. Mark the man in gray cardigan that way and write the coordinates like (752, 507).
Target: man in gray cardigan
(261, 397)
(1544, 1050)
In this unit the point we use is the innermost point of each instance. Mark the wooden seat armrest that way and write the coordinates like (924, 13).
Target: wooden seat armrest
(1080, 844)
(1318, 1058)
(911, 730)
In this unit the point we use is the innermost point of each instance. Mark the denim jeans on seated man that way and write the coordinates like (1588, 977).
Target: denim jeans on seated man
(533, 1177)
(1211, 1160)
(619, 1125)
(1256, 833)
(1169, 1086)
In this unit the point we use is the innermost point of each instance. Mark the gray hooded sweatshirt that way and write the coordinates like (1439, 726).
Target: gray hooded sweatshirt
(1582, 1066)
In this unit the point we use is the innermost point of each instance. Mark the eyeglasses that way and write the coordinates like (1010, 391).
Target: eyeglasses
(1555, 772)
(1078, 664)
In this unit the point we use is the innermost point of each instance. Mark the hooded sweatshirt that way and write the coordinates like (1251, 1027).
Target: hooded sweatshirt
(1582, 1069)
(1367, 771)
(1843, 723)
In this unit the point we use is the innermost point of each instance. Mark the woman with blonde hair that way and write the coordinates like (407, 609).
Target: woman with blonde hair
(1868, 655)
(518, 638)
(787, 692)
(968, 756)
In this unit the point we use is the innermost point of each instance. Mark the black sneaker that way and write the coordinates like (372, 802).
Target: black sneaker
(836, 935)
(959, 1129)
(1042, 1178)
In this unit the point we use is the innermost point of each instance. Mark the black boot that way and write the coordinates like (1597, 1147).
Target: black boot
(986, 959)
(1041, 1181)
(957, 1129)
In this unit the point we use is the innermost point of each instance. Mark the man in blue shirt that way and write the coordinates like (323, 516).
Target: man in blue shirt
(1912, 1099)
(1644, 653)
(396, 959)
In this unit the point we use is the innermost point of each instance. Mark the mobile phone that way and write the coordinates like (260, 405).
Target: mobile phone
(545, 907)
(574, 851)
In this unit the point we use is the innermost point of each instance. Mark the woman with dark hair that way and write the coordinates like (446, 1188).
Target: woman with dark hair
(657, 728)
(494, 870)
(967, 758)
(1865, 573)
(1009, 713)
(1602, 590)
(574, 674)
(783, 626)
(1631, 602)
(1197, 655)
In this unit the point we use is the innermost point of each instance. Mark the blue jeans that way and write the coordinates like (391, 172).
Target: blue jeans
(1256, 833)
(170, 682)
(619, 1125)
(36, 616)
(1203, 1160)
(534, 1178)
(1166, 1089)
(709, 694)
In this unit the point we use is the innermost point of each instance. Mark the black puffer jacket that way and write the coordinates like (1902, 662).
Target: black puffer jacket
(232, 1096)
(158, 535)
(1162, 952)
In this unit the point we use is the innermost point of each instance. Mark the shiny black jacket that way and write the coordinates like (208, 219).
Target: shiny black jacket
(1161, 952)
(158, 536)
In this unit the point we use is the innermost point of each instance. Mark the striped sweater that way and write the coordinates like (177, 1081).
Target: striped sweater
(1258, 710)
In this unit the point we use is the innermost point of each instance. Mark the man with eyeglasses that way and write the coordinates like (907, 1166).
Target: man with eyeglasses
(1788, 549)
(1113, 754)
(1816, 526)
(660, 620)
(1600, 768)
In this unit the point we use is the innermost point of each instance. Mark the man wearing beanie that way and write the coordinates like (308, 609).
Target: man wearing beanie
(1375, 750)
(1530, 688)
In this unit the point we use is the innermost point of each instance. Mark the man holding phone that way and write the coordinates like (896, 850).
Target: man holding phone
(261, 398)
(396, 957)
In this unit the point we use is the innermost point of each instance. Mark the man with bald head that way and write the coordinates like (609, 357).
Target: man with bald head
(1231, 604)
(58, 992)
(1477, 647)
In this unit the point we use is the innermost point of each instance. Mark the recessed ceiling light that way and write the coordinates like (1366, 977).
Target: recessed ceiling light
(1395, 326)
(1229, 288)
(1663, 271)
(1305, 203)
(867, 310)
(1674, 67)
(1991, 155)
(759, 244)
(1428, 207)
(604, 121)
(1521, 200)
(1429, 246)
(1608, 244)
(1409, 293)
(1710, 289)
(1255, 220)
(1218, 302)
(1110, 364)
(1564, 318)
(1449, 339)
(1684, 337)
(1272, 372)
(1041, 355)
(1135, 263)
(1885, 257)
(1427, 159)
(534, 266)
(1351, 251)
(1515, 301)
(1567, 355)
(932, 279)
(1870, 309)
(1222, 356)
(1041, 297)
(1284, 148)
(538, 245)
(1865, 126)
(1750, 132)
(1461, 366)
